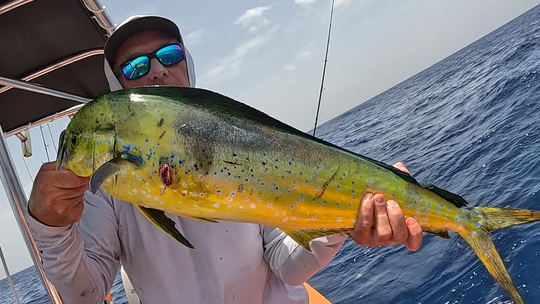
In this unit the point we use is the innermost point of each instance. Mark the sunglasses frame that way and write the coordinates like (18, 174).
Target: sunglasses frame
(120, 70)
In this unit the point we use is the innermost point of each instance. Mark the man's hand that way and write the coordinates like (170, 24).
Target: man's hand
(57, 196)
(390, 226)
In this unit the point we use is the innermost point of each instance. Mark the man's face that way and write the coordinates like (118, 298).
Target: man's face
(147, 42)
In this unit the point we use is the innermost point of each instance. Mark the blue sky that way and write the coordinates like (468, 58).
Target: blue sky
(270, 55)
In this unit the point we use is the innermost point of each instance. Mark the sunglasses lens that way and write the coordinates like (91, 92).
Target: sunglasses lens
(136, 67)
(170, 55)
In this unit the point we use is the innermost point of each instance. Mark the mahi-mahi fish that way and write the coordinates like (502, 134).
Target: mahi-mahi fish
(201, 155)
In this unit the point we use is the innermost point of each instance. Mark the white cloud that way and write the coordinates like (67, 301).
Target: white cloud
(342, 2)
(304, 2)
(289, 67)
(297, 60)
(253, 18)
(304, 53)
(231, 65)
(195, 37)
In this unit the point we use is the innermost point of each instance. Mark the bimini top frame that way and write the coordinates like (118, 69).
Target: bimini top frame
(57, 44)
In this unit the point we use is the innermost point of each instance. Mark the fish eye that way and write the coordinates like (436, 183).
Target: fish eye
(74, 140)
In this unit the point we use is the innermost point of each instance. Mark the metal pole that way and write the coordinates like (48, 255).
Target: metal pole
(9, 277)
(42, 90)
(18, 202)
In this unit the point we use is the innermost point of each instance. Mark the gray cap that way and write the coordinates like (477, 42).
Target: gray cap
(134, 25)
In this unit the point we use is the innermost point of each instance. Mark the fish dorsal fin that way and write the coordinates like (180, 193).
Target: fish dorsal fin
(304, 236)
(158, 218)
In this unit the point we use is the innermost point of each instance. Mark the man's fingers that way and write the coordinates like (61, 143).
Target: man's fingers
(397, 223)
(362, 229)
(383, 231)
(414, 241)
(72, 193)
(401, 167)
(50, 166)
(64, 179)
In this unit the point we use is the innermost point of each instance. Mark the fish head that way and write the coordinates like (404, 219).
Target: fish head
(89, 139)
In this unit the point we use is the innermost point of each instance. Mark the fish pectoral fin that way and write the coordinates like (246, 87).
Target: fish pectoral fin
(202, 219)
(205, 220)
(304, 236)
(108, 169)
(158, 218)
(438, 232)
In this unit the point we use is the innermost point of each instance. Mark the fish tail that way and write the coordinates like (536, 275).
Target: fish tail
(497, 218)
(480, 240)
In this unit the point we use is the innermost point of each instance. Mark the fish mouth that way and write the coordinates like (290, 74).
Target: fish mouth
(63, 152)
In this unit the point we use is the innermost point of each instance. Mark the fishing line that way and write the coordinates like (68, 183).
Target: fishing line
(44, 143)
(52, 138)
(324, 67)
(27, 170)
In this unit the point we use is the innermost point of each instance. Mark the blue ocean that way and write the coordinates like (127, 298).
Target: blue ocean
(468, 124)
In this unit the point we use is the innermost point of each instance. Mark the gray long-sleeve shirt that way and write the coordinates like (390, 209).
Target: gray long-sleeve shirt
(231, 263)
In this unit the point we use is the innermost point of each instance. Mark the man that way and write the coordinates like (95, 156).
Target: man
(84, 237)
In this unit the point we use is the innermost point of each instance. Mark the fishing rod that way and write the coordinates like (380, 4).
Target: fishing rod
(11, 284)
(23, 85)
(324, 67)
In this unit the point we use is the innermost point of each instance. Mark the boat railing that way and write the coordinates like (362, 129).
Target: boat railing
(10, 179)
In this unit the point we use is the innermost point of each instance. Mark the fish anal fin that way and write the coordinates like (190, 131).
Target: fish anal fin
(304, 236)
(481, 242)
(158, 218)
(438, 232)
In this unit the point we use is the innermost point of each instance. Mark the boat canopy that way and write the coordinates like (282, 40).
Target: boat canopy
(55, 43)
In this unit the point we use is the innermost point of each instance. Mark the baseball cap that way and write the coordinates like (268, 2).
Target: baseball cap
(134, 25)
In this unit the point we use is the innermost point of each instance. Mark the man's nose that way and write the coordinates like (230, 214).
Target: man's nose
(157, 70)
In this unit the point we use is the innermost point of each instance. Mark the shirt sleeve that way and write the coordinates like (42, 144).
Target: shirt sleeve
(293, 264)
(81, 259)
